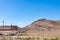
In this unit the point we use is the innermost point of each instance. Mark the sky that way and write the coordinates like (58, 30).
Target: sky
(24, 12)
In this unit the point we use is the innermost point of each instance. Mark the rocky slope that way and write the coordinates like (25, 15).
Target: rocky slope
(42, 27)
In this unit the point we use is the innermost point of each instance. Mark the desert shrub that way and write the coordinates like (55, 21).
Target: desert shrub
(52, 39)
(37, 38)
(9, 38)
(55, 39)
(45, 38)
(28, 38)
(4, 38)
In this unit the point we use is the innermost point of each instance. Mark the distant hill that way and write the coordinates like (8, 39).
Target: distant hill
(42, 27)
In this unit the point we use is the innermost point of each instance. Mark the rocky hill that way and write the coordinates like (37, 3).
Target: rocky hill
(42, 27)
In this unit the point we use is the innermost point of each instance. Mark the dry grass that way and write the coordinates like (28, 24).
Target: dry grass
(26, 38)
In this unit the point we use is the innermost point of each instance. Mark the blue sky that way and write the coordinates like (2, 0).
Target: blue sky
(24, 12)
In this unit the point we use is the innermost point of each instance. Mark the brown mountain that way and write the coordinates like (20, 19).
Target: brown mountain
(42, 27)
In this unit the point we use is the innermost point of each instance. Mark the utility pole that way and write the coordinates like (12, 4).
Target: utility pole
(3, 23)
(11, 26)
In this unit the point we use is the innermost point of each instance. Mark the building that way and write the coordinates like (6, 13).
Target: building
(8, 30)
